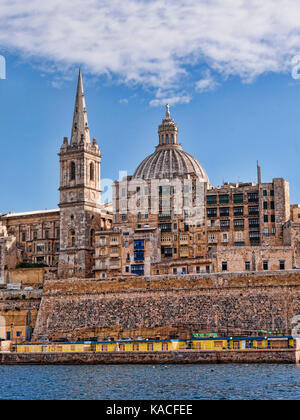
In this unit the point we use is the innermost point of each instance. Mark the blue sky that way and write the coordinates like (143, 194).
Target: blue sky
(227, 77)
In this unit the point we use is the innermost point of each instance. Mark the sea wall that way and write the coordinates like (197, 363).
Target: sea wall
(178, 357)
(164, 306)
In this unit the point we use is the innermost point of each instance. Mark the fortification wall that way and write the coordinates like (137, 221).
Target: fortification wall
(228, 303)
(15, 307)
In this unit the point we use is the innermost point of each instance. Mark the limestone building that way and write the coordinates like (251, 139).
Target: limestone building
(64, 238)
(166, 218)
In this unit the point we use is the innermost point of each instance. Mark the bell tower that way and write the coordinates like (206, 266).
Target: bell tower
(79, 205)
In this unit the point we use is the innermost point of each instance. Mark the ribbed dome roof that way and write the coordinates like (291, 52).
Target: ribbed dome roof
(169, 162)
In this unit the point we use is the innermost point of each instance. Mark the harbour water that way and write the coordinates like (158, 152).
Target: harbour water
(142, 382)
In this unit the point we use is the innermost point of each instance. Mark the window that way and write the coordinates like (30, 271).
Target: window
(225, 237)
(72, 241)
(137, 269)
(247, 265)
(212, 237)
(254, 236)
(174, 270)
(238, 211)
(23, 236)
(224, 198)
(212, 212)
(272, 193)
(266, 231)
(92, 237)
(282, 265)
(225, 224)
(273, 218)
(239, 224)
(123, 217)
(253, 223)
(238, 198)
(253, 210)
(92, 172)
(139, 244)
(253, 197)
(72, 171)
(224, 211)
(165, 227)
(266, 265)
(266, 218)
(265, 193)
(265, 205)
(272, 205)
(197, 269)
(211, 199)
(127, 269)
(139, 256)
(224, 266)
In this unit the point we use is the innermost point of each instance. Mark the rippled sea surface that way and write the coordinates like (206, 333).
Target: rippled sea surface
(142, 382)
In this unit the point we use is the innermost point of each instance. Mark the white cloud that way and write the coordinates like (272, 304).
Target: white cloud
(156, 43)
(207, 83)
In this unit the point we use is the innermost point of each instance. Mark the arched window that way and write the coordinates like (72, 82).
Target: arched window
(167, 138)
(72, 241)
(92, 172)
(73, 171)
(172, 138)
(92, 237)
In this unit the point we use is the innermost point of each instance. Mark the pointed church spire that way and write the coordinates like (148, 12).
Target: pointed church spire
(80, 128)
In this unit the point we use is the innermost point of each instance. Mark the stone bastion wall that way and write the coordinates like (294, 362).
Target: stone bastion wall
(168, 306)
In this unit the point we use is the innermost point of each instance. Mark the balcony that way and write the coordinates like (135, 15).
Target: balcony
(184, 252)
(166, 240)
(164, 216)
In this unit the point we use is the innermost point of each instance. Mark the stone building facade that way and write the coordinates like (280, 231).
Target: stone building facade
(199, 228)
(63, 238)
(166, 218)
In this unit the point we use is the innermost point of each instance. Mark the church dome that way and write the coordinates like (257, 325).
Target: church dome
(169, 161)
